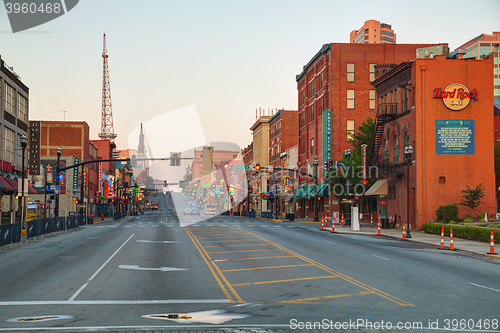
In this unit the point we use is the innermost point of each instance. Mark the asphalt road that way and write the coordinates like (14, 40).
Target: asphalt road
(238, 273)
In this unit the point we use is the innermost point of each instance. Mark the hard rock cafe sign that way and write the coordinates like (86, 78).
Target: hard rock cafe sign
(456, 96)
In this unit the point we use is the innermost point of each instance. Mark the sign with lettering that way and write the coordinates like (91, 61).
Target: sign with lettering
(75, 176)
(327, 137)
(34, 148)
(456, 96)
(454, 136)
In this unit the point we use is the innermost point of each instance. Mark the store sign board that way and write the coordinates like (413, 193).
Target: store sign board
(454, 136)
(456, 96)
(327, 137)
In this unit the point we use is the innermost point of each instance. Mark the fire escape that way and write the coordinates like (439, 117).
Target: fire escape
(386, 112)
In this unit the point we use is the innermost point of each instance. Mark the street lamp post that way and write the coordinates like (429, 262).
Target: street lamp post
(56, 209)
(24, 143)
(315, 164)
(408, 151)
(347, 156)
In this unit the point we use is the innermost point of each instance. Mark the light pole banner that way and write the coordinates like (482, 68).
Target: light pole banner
(327, 137)
(99, 178)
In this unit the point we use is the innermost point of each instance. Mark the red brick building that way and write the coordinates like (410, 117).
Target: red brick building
(443, 109)
(339, 78)
(73, 138)
(283, 134)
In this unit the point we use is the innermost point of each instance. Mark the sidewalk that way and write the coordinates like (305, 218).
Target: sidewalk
(475, 247)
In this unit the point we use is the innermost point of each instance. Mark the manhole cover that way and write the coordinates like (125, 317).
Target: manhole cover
(37, 318)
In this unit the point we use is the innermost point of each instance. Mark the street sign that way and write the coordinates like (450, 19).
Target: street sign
(57, 189)
(241, 166)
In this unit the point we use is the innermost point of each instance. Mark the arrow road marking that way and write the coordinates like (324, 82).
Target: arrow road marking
(162, 269)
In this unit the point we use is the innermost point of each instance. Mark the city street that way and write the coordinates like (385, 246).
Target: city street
(238, 272)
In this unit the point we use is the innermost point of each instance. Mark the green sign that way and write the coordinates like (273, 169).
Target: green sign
(327, 137)
(241, 166)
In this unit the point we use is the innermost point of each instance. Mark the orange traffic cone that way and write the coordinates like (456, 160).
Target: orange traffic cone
(333, 225)
(326, 220)
(102, 216)
(371, 220)
(322, 225)
(442, 239)
(404, 231)
(452, 246)
(342, 219)
(492, 243)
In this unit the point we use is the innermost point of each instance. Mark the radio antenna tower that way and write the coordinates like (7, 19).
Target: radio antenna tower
(107, 129)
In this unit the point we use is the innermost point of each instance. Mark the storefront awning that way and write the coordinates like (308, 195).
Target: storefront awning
(4, 185)
(379, 188)
(298, 194)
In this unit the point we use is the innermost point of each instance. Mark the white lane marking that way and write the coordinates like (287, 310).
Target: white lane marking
(210, 225)
(128, 226)
(159, 242)
(478, 285)
(162, 269)
(97, 272)
(380, 257)
(329, 242)
(168, 225)
(223, 225)
(114, 302)
(155, 226)
(236, 225)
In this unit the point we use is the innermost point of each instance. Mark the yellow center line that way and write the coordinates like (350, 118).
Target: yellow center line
(206, 247)
(221, 285)
(246, 236)
(231, 240)
(328, 269)
(204, 253)
(305, 300)
(268, 267)
(246, 251)
(288, 280)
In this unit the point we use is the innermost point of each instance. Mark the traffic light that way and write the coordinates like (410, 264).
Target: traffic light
(325, 165)
(77, 201)
(257, 167)
(226, 165)
(356, 196)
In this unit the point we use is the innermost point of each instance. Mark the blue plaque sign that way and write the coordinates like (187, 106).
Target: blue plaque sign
(454, 137)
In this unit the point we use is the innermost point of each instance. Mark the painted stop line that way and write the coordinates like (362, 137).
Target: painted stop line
(161, 269)
(157, 242)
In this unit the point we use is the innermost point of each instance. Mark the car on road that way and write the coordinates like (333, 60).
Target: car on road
(187, 211)
(154, 206)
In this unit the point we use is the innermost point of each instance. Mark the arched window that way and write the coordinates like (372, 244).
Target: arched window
(385, 155)
(406, 139)
(395, 149)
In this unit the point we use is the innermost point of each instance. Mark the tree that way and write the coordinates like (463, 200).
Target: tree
(363, 135)
(471, 197)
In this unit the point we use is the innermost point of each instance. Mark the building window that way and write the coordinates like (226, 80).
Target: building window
(373, 99)
(442, 180)
(311, 89)
(395, 149)
(321, 81)
(385, 155)
(350, 98)
(350, 72)
(311, 113)
(406, 139)
(9, 145)
(312, 146)
(303, 97)
(10, 98)
(350, 129)
(19, 153)
(22, 108)
(372, 72)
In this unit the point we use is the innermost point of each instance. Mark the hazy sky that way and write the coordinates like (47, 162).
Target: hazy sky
(225, 57)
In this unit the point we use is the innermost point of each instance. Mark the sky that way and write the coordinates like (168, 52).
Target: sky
(223, 58)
